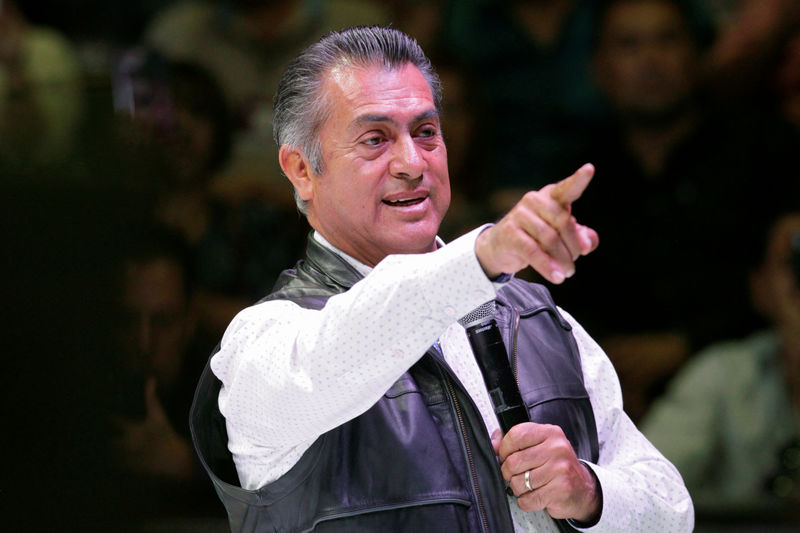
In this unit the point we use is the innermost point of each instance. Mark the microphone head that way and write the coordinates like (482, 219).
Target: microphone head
(479, 314)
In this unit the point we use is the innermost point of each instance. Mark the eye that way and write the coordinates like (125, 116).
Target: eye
(372, 140)
(165, 320)
(627, 43)
(427, 136)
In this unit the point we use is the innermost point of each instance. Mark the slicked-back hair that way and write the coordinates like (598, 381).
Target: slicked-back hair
(300, 108)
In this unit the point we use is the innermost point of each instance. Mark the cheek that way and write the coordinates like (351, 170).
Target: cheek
(201, 141)
(169, 339)
(444, 179)
(618, 78)
(686, 71)
(441, 201)
(348, 201)
(444, 204)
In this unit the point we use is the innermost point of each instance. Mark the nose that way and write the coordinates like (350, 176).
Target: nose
(407, 160)
(145, 334)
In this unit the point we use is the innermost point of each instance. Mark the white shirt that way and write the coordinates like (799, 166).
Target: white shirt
(282, 389)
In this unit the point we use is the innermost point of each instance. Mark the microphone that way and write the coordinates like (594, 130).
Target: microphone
(490, 353)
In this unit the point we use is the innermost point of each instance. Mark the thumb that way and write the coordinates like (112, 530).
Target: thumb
(497, 437)
(151, 401)
(570, 189)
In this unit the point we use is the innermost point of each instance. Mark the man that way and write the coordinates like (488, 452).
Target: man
(156, 368)
(536, 63)
(157, 326)
(42, 99)
(729, 419)
(668, 154)
(350, 399)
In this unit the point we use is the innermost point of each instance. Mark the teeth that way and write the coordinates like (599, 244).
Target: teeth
(404, 202)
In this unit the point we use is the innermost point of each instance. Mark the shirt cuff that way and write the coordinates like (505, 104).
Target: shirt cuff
(503, 278)
(582, 526)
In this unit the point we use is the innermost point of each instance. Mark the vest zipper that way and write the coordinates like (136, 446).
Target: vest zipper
(473, 472)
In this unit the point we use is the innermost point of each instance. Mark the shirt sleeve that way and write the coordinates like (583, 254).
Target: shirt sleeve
(291, 374)
(642, 491)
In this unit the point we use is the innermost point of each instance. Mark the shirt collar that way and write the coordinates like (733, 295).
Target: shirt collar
(352, 261)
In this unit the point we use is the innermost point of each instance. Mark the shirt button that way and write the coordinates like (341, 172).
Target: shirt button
(449, 311)
(398, 352)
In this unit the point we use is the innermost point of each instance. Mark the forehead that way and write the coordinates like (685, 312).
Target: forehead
(642, 15)
(155, 283)
(354, 92)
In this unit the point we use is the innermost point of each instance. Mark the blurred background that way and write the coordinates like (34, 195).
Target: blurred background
(143, 206)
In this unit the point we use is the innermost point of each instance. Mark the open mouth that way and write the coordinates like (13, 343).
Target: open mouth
(403, 203)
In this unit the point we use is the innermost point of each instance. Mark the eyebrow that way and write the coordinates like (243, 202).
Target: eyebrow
(385, 118)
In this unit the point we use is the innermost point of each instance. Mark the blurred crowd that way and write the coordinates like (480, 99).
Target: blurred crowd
(144, 207)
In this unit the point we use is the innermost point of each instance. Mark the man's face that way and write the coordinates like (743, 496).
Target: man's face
(158, 324)
(777, 293)
(385, 187)
(646, 58)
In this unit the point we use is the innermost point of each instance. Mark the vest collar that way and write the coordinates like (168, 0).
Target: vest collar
(327, 263)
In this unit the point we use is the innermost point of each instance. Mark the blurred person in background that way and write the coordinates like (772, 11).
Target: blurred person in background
(689, 171)
(424, 20)
(160, 358)
(531, 56)
(237, 236)
(730, 420)
(41, 93)
(751, 38)
(787, 80)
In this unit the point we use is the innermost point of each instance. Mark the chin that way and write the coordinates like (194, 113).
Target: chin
(417, 243)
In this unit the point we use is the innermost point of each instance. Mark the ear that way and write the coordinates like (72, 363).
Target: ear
(298, 169)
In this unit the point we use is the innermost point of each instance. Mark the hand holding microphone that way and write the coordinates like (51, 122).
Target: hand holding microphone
(545, 473)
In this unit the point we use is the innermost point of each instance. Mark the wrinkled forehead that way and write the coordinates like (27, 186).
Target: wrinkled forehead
(353, 90)
(351, 76)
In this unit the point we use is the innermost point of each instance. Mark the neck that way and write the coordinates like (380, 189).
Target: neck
(366, 248)
(543, 20)
(355, 263)
(652, 143)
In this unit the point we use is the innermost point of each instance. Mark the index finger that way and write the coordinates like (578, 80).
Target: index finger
(570, 189)
(520, 437)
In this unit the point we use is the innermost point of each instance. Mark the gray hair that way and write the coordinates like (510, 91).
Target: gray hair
(300, 108)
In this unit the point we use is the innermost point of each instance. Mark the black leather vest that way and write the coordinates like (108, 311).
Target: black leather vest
(419, 460)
